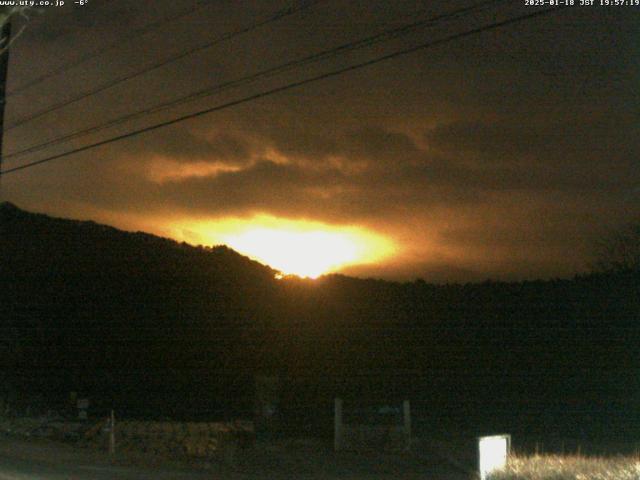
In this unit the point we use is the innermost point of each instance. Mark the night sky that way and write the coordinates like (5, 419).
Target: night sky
(504, 154)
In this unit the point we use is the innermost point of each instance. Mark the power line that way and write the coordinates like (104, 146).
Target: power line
(91, 55)
(366, 42)
(302, 5)
(290, 86)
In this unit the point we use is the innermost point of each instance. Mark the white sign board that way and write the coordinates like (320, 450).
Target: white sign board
(493, 452)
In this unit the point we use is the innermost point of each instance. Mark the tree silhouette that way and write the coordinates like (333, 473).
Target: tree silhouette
(620, 251)
(6, 14)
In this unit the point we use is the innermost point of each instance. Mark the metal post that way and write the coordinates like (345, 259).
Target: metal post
(406, 410)
(112, 434)
(337, 432)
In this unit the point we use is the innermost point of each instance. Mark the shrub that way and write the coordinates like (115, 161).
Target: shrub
(569, 467)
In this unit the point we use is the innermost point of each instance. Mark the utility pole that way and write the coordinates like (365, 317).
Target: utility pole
(5, 42)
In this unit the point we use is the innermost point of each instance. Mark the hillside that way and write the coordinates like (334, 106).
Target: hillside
(149, 324)
(91, 308)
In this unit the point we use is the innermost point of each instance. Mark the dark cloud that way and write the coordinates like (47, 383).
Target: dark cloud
(571, 141)
(478, 137)
(372, 144)
(378, 144)
(183, 145)
(263, 187)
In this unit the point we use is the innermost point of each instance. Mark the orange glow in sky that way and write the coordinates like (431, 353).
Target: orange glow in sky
(295, 247)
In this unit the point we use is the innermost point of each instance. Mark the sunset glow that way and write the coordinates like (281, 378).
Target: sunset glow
(302, 248)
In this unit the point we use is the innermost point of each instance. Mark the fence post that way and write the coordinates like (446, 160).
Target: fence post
(406, 410)
(112, 434)
(337, 425)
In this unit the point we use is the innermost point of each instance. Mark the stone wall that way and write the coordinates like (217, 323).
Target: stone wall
(200, 440)
(176, 439)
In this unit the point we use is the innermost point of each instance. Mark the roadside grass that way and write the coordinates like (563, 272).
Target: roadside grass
(569, 467)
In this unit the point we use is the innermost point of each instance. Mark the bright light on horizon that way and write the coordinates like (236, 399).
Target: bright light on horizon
(295, 247)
